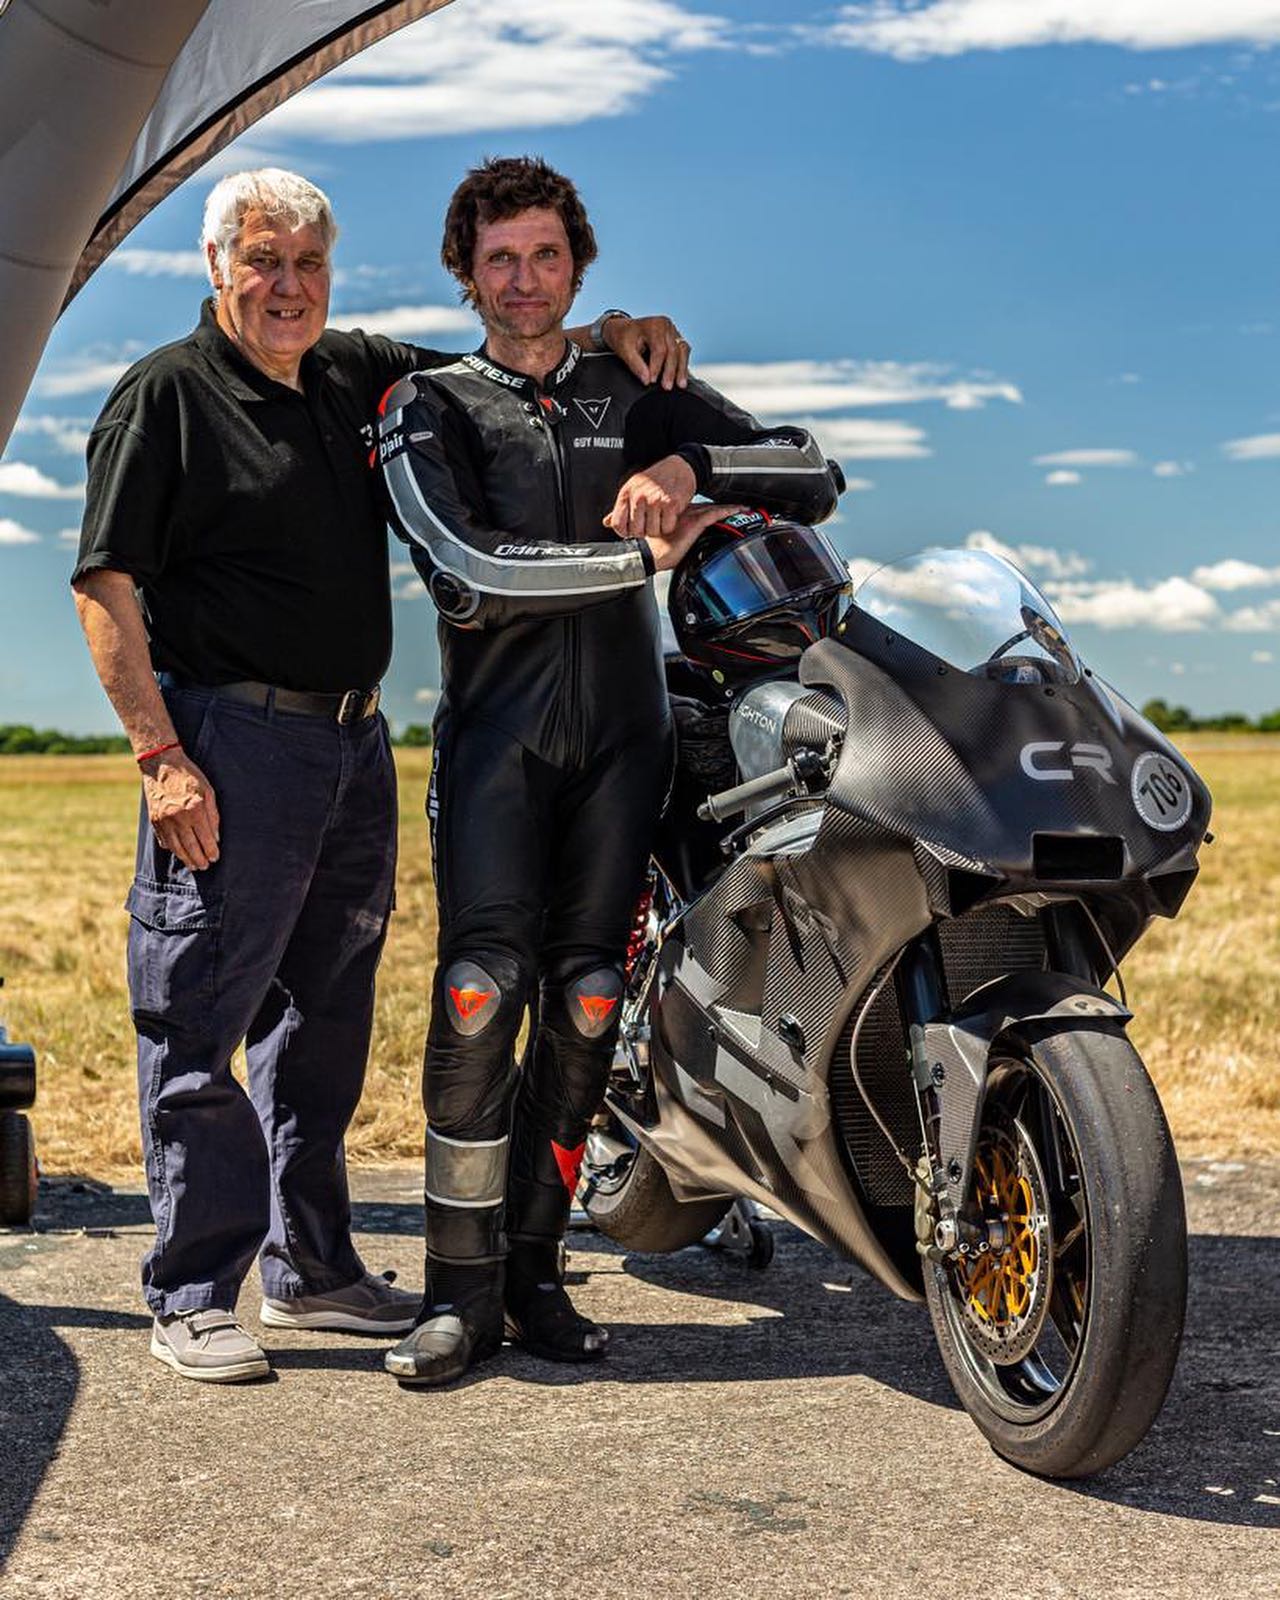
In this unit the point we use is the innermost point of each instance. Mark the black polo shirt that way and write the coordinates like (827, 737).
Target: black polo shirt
(247, 513)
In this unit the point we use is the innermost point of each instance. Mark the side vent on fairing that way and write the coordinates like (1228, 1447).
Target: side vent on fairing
(965, 888)
(1077, 858)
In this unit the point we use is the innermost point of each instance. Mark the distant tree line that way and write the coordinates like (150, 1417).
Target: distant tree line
(17, 739)
(1177, 719)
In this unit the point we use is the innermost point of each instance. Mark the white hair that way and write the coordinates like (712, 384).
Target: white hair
(282, 196)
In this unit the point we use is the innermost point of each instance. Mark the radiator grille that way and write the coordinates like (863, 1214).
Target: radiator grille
(976, 948)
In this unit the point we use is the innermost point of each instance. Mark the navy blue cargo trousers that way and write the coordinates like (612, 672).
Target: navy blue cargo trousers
(274, 945)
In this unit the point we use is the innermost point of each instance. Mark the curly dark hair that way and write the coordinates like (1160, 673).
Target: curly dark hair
(500, 188)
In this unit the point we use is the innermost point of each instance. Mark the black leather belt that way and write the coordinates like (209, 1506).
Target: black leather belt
(345, 706)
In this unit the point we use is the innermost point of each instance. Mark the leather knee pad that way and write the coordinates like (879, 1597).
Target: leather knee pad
(469, 1070)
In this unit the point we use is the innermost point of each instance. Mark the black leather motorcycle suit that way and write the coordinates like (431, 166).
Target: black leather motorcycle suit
(552, 743)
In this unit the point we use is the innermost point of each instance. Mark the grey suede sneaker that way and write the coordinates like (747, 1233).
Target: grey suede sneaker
(208, 1345)
(370, 1305)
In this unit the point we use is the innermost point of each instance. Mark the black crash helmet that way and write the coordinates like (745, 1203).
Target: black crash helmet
(754, 593)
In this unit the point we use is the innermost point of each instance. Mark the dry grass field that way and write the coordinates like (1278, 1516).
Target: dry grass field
(1205, 988)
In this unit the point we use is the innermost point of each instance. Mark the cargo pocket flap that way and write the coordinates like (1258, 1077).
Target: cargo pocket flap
(173, 907)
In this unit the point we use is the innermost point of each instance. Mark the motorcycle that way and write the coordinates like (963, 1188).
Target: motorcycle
(868, 990)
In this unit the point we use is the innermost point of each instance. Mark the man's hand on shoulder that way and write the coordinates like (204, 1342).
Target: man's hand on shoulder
(650, 502)
(653, 347)
(669, 550)
(182, 808)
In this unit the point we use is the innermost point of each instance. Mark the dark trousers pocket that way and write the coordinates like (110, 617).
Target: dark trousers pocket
(173, 946)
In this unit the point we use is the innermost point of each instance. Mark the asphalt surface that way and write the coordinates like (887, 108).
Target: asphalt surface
(780, 1433)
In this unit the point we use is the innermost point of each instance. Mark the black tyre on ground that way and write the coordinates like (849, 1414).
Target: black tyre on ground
(17, 1170)
(630, 1200)
(1061, 1340)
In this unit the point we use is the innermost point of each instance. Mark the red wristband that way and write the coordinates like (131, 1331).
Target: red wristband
(158, 751)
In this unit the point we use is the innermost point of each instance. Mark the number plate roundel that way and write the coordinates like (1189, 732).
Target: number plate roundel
(1161, 793)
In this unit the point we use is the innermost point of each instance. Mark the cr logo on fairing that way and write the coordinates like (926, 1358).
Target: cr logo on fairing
(1050, 760)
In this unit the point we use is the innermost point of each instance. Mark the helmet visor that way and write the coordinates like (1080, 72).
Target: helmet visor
(783, 562)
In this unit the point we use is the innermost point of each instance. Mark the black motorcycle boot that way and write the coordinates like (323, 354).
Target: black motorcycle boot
(461, 1325)
(539, 1314)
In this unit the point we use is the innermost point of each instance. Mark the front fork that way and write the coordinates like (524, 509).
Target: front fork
(950, 1079)
(948, 1056)
(942, 1229)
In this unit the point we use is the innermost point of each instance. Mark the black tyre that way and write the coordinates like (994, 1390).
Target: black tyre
(17, 1170)
(628, 1197)
(761, 1252)
(1061, 1340)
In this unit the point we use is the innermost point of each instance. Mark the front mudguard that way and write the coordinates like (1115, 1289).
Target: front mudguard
(958, 1050)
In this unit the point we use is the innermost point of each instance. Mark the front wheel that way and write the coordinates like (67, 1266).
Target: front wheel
(1061, 1339)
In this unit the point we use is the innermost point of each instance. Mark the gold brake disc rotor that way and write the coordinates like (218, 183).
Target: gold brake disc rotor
(1004, 1293)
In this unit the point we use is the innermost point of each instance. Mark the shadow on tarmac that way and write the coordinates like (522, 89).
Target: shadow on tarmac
(1215, 1447)
(39, 1378)
(1213, 1450)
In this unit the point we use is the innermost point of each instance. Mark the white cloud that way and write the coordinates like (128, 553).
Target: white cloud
(17, 477)
(399, 322)
(1062, 478)
(1234, 574)
(786, 388)
(489, 65)
(245, 153)
(1256, 447)
(1255, 619)
(1172, 469)
(426, 696)
(68, 536)
(855, 486)
(69, 435)
(1039, 560)
(914, 30)
(86, 374)
(1261, 658)
(157, 263)
(12, 532)
(864, 438)
(1086, 458)
(1170, 605)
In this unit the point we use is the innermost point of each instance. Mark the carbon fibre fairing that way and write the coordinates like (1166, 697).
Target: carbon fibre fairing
(779, 1037)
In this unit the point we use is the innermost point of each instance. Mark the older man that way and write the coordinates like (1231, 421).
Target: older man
(233, 587)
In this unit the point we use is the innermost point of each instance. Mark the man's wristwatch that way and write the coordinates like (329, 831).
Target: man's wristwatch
(597, 328)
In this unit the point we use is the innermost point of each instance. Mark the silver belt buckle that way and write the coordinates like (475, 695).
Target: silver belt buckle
(357, 704)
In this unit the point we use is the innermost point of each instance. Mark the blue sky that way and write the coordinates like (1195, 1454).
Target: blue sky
(1016, 265)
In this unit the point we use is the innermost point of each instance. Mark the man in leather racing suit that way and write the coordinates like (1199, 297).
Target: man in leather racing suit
(539, 490)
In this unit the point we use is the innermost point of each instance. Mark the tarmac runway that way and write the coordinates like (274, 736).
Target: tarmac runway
(758, 1434)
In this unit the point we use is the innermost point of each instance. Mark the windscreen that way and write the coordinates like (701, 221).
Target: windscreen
(976, 612)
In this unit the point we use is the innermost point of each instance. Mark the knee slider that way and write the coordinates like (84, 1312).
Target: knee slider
(593, 1001)
(475, 991)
